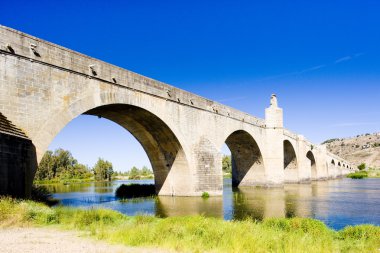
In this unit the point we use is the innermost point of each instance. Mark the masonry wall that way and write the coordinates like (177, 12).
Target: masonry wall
(17, 165)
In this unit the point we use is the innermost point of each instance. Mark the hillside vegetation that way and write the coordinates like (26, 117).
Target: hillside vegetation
(359, 149)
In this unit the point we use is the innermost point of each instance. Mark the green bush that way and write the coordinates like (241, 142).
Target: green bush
(205, 195)
(358, 175)
(362, 166)
(128, 191)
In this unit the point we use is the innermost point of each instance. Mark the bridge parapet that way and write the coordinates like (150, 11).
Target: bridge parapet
(290, 134)
(25, 46)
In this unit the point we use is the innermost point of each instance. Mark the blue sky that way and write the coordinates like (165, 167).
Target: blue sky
(321, 58)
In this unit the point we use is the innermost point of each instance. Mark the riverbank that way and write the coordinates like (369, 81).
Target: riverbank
(64, 181)
(194, 233)
(373, 173)
(88, 180)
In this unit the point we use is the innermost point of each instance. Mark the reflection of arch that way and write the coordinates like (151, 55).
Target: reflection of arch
(247, 161)
(314, 174)
(158, 140)
(290, 163)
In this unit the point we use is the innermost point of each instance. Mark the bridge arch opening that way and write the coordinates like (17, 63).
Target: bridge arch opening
(290, 163)
(246, 159)
(313, 166)
(160, 144)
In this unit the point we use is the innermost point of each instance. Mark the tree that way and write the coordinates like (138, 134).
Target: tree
(45, 168)
(226, 164)
(61, 164)
(145, 171)
(362, 166)
(103, 170)
(134, 173)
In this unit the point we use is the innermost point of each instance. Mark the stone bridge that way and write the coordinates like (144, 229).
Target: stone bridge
(44, 86)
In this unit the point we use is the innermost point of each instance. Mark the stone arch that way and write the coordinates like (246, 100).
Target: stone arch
(313, 166)
(160, 141)
(247, 160)
(290, 162)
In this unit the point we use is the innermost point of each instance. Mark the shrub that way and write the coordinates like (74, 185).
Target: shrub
(362, 166)
(358, 175)
(128, 191)
(205, 195)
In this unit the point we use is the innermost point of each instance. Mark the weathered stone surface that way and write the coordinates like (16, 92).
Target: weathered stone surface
(44, 86)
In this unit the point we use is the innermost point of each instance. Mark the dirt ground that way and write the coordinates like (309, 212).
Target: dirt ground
(26, 240)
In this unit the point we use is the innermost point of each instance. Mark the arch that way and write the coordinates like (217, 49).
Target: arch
(247, 161)
(339, 164)
(314, 173)
(162, 146)
(290, 162)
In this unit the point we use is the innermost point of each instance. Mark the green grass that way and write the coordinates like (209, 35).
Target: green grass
(197, 233)
(358, 175)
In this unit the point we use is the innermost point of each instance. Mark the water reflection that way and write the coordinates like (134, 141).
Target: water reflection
(338, 202)
(187, 206)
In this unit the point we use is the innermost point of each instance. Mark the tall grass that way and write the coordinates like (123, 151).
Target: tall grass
(195, 234)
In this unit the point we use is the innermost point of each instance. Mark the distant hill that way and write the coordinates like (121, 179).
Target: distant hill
(360, 149)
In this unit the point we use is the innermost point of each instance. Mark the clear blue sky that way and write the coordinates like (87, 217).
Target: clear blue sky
(322, 58)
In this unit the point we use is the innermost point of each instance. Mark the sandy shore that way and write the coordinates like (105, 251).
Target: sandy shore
(26, 240)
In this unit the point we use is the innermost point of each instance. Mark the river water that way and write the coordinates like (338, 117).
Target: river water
(338, 203)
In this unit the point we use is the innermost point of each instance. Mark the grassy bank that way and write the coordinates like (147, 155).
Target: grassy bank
(372, 173)
(195, 234)
(64, 181)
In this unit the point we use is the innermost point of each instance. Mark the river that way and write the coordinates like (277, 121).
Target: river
(338, 203)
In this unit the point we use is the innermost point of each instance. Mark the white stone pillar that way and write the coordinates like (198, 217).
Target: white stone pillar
(274, 153)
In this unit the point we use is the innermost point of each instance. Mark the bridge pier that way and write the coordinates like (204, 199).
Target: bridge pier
(18, 165)
(274, 134)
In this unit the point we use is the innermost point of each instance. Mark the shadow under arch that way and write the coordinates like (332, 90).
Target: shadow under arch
(331, 169)
(247, 162)
(313, 166)
(157, 139)
(290, 163)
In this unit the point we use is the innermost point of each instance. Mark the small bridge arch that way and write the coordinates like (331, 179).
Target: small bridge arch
(313, 165)
(246, 158)
(290, 162)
